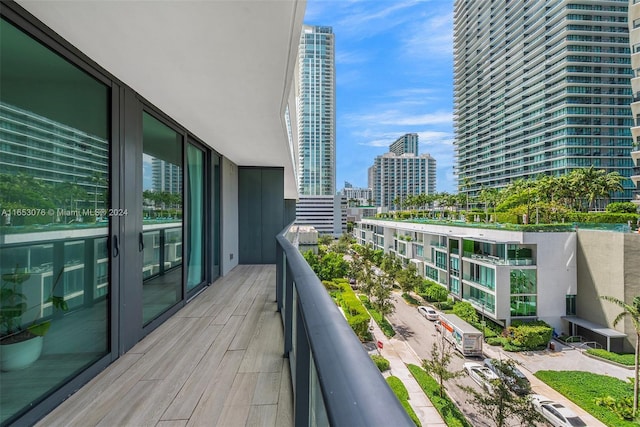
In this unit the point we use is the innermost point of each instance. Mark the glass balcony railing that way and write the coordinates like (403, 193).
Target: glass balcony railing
(491, 259)
(334, 380)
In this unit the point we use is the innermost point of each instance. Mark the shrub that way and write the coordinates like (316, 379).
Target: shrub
(355, 313)
(410, 299)
(496, 341)
(623, 359)
(381, 362)
(622, 207)
(528, 336)
(622, 407)
(444, 305)
(602, 217)
(465, 311)
(437, 293)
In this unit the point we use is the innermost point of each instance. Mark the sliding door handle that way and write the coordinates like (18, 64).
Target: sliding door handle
(116, 249)
(140, 242)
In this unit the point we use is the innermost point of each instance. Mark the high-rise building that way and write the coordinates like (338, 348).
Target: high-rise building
(400, 174)
(316, 132)
(166, 177)
(316, 112)
(634, 43)
(406, 144)
(541, 88)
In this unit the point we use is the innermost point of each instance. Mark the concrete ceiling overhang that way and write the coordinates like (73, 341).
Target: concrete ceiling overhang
(222, 69)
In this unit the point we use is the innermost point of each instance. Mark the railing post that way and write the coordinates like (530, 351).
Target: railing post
(288, 308)
(302, 390)
(279, 275)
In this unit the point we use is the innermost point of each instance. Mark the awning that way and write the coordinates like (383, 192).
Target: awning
(598, 329)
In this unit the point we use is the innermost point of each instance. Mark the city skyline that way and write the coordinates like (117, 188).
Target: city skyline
(394, 75)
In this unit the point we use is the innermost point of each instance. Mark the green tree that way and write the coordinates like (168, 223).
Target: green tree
(633, 311)
(391, 264)
(499, 405)
(381, 296)
(438, 365)
(408, 278)
(332, 265)
(465, 311)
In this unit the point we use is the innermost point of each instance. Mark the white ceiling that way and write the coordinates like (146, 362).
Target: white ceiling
(221, 68)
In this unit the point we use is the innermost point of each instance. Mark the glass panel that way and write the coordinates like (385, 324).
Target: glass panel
(195, 254)
(54, 181)
(215, 244)
(161, 241)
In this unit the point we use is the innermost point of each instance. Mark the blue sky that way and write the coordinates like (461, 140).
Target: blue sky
(394, 73)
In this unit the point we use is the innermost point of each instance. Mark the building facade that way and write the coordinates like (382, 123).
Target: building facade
(406, 144)
(356, 195)
(318, 205)
(401, 172)
(316, 112)
(634, 44)
(541, 88)
(88, 105)
(555, 276)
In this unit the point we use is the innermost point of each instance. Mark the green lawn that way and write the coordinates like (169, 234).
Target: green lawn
(623, 359)
(447, 409)
(584, 387)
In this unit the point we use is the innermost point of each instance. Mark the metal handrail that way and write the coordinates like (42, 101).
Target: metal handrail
(353, 390)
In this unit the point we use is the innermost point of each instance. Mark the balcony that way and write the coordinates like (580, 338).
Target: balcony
(218, 361)
(264, 345)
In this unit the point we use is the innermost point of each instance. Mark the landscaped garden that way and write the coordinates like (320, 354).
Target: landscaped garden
(606, 398)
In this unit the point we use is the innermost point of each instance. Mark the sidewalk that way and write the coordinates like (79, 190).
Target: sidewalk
(398, 353)
(539, 387)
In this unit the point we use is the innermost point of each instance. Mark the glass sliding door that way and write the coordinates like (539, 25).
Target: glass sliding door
(54, 201)
(161, 238)
(196, 224)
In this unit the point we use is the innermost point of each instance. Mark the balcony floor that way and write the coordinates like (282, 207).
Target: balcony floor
(217, 362)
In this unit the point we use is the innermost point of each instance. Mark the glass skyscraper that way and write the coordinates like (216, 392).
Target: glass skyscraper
(541, 88)
(316, 112)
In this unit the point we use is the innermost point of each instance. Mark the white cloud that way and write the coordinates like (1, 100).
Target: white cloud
(400, 118)
(433, 37)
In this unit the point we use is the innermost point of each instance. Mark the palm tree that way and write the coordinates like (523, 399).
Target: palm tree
(633, 310)
(465, 186)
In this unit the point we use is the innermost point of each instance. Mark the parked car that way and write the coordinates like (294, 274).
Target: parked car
(556, 413)
(353, 283)
(481, 375)
(428, 312)
(516, 380)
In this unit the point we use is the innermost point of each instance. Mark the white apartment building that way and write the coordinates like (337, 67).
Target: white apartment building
(506, 275)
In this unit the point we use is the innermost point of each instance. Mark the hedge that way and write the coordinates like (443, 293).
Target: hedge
(447, 409)
(381, 362)
(403, 396)
(623, 359)
(386, 327)
(357, 316)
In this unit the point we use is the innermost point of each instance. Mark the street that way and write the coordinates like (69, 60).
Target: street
(420, 334)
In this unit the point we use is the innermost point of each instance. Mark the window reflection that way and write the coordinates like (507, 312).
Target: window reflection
(161, 240)
(54, 181)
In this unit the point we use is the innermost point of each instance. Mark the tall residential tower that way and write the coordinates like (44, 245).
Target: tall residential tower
(318, 205)
(541, 88)
(634, 39)
(316, 112)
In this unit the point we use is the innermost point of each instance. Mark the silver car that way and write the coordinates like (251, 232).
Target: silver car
(428, 312)
(556, 413)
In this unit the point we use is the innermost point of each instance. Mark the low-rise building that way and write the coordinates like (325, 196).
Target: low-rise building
(507, 275)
